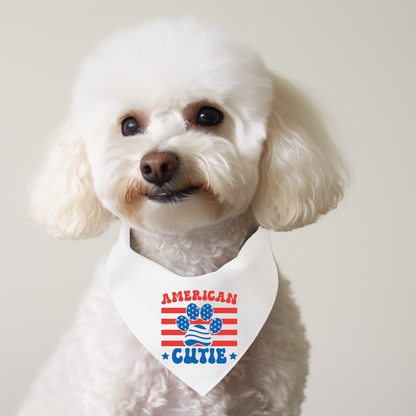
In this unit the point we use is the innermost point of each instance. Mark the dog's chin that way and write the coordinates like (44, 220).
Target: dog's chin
(170, 197)
(177, 212)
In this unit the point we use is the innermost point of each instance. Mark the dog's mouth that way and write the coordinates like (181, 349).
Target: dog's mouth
(166, 197)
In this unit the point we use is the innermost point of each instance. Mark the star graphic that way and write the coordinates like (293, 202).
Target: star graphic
(165, 356)
(232, 356)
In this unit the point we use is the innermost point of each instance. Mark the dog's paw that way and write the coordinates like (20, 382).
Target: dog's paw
(198, 334)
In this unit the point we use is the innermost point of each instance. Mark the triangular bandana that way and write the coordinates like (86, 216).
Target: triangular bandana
(197, 327)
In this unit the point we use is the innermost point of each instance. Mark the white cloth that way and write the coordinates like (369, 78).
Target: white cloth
(197, 327)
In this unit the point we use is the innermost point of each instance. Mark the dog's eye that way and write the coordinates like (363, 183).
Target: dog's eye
(130, 127)
(209, 116)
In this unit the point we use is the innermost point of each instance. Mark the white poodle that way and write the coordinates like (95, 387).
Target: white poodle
(180, 131)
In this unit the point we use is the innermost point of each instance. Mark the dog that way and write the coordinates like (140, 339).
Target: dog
(179, 130)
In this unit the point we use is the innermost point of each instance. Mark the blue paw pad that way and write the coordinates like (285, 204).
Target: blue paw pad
(182, 323)
(206, 312)
(215, 326)
(199, 335)
(192, 311)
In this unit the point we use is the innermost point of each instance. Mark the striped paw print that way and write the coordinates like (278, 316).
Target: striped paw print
(198, 334)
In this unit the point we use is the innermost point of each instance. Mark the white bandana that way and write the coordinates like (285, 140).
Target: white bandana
(197, 327)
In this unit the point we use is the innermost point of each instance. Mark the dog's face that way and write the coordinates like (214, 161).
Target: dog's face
(175, 126)
(173, 123)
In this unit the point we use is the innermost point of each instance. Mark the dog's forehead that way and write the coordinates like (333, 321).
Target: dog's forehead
(170, 64)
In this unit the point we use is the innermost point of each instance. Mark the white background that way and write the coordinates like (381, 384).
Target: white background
(353, 273)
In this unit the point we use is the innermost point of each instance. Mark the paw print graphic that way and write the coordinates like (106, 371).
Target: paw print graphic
(198, 334)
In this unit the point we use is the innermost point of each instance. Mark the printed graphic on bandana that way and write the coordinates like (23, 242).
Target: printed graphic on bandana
(193, 327)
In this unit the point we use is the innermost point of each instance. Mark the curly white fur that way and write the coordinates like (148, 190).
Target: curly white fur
(270, 162)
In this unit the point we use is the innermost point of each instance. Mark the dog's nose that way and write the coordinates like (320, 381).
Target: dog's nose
(158, 168)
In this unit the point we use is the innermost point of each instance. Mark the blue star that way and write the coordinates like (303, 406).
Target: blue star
(165, 356)
(232, 356)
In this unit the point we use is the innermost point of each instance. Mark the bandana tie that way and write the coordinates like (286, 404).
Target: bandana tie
(197, 327)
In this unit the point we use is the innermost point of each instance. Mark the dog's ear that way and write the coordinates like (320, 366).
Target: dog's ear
(302, 174)
(63, 201)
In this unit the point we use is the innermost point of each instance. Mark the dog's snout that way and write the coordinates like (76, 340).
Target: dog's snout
(158, 168)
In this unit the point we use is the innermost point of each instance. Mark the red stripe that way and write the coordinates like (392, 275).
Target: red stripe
(183, 310)
(229, 321)
(199, 321)
(172, 332)
(173, 310)
(179, 332)
(168, 321)
(172, 344)
(225, 310)
(214, 344)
